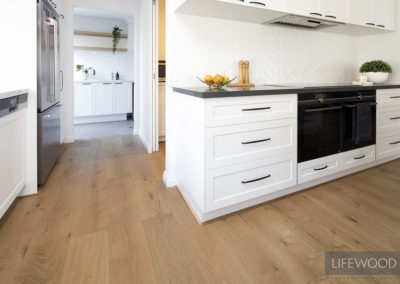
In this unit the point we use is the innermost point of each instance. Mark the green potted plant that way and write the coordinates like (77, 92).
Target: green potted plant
(376, 70)
(116, 37)
(85, 71)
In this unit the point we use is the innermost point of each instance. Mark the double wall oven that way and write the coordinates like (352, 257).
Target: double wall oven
(331, 122)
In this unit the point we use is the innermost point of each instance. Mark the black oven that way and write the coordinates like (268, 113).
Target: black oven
(327, 123)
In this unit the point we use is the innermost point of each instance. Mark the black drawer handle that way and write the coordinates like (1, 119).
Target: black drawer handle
(359, 158)
(255, 109)
(395, 97)
(394, 143)
(330, 16)
(320, 169)
(316, 14)
(256, 141)
(370, 24)
(254, 180)
(381, 26)
(394, 118)
(257, 3)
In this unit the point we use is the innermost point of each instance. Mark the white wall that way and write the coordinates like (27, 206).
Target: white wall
(385, 47)
(146, 72)
(197, 46)
(98, 24)
(119, 6)
(18, 69)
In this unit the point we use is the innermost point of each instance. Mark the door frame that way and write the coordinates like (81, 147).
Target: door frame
(155, 126)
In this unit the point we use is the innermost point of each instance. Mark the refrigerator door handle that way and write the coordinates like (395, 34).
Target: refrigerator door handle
(56, 69)
(62, 80)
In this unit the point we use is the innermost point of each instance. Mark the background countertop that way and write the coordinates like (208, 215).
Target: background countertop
(13, 93)
(103, 81)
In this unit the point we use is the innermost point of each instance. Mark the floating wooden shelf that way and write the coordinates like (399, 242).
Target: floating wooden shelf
(100, 48)
(88, 33)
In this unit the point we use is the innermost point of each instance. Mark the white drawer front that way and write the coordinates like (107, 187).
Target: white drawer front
(229, 111)
(388, 145)
(388, 118)
(358, 157)
(389, 97)
(234, 184)
(319, 168)
(244, 142)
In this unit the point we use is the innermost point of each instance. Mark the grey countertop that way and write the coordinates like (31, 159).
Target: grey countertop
(12, 93)
(205, 92)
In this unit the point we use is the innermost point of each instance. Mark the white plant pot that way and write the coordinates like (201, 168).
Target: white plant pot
(377, 77)
(85, 75)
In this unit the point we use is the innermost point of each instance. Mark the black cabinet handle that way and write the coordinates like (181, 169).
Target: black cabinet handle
(394, 118)
(359, 158)
(254, 180)
(320, 169)
(381, 26)
(255, 109)
(370, 24)
(395, 97)
(316, 14)
(256, 141)
(394, 143)
(322, 109)
(256, 3)
(330, 16)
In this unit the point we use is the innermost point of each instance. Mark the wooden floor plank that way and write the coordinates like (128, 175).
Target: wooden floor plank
(104, 216)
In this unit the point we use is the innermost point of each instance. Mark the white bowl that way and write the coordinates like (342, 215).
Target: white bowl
(377, 77)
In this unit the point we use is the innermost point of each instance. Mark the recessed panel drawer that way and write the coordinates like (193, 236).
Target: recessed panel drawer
(229, 111)
(234, 184)
(244, 142)
(388, 118)
(388, 97)
(358, 157)
(388, 144)
(319, 168)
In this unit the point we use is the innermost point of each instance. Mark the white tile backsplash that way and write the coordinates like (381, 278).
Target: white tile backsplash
(104, 62)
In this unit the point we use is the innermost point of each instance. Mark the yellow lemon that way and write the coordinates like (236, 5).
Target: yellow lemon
(208, 79)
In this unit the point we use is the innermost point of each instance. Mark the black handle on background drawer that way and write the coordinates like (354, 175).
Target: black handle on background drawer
(320, 169)
(359, 158)
(395, 97)
(394, 143)
(370, 24)
(254, 180)
(254, 109)
(316, 14)
(394, 118)
(256, 141)
(330, 16)
(257, 3)
(381, 26)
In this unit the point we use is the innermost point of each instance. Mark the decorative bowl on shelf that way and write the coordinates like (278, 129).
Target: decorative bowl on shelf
(216, 82)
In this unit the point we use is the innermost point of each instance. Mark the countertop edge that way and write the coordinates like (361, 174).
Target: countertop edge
(259, 92)
(13, 93)
(104, 81)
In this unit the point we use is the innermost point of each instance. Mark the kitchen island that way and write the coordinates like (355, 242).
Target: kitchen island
(235, 148)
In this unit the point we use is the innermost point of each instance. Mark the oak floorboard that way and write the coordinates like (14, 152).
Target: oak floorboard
(104, 216)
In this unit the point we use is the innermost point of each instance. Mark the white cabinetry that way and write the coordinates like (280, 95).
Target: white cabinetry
(360, 12)
(122, 95)
(83, 99)
(306, 7)
(384, 13)
(102, 99)
(388, 123)
(98, 102)
(334, 10)
(327, 9)
(13, 157)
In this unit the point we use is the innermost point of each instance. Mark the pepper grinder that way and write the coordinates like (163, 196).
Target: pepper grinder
(246, 72)
(241, 80)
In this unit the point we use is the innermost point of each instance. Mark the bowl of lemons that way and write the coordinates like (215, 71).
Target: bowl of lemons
(217, 81)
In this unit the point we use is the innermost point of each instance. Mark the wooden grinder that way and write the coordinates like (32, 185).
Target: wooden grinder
(244, 76)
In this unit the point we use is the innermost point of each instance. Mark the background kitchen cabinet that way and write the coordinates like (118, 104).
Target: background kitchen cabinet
(102, 99)
(306, 7)
(334, 10)
(360, 11)
(83, 100)
(122, 96)
(384, 13)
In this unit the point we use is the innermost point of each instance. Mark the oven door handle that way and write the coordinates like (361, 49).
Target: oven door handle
(322, 109)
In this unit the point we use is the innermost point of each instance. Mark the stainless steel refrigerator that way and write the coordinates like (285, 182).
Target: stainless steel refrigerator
(49, 86)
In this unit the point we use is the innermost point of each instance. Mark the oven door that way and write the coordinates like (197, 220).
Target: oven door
(348, 116)
(319, 127)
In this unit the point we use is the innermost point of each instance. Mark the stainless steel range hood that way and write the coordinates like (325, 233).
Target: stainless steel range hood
(301, 22)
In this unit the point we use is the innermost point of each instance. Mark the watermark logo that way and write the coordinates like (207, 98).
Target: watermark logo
(362, 263)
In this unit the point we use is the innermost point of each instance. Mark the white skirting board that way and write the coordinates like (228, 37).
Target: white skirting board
(100, 118)
(146, 143)
(170, 181)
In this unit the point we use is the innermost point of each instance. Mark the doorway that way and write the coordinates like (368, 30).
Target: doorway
(103, 74)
